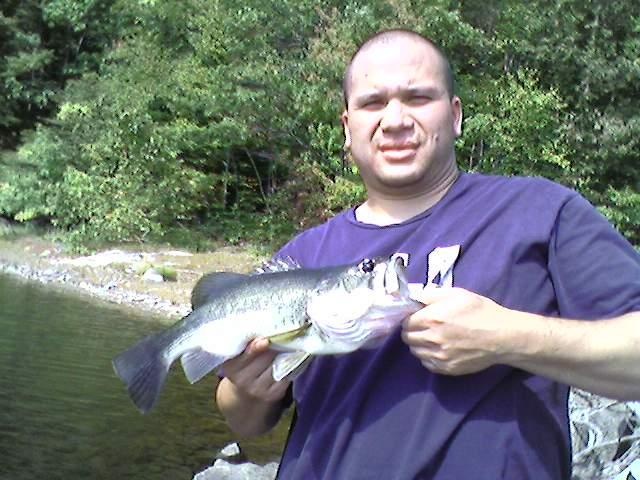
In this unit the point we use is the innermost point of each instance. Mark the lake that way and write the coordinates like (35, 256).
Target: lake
(65, 415)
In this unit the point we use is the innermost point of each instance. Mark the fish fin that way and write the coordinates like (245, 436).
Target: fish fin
(196, 364)
(285, 337)
(289, 365)
(278, 265)
(210, 285)
(143, 368)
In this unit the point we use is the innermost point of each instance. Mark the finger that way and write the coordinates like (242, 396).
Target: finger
(432, 365)
(420, 339)
(432, 293)
(421, 320)
(264, 384)
(257, 345)
(277, 390)
(249, 367)
(263, 379)
(254, 348)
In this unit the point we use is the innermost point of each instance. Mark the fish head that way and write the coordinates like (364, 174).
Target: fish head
(364, 302)
(384, 278)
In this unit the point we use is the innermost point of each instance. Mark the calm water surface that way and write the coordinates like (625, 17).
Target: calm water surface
(65, 415)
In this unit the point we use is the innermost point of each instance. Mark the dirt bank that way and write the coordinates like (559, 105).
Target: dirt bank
(117, 274)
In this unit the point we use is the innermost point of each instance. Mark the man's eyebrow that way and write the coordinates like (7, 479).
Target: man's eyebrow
(430, 90)
(367, 97)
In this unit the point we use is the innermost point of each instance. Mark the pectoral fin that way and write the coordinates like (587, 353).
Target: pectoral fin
(285, 337)
(289, 365)
(198, 363)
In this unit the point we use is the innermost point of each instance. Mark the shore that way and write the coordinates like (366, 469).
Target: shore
(117, 275)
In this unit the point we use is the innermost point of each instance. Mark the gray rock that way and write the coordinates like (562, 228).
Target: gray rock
(223, 470)
(232, 453)
(605, 436)
(232, 464)
(153, 275)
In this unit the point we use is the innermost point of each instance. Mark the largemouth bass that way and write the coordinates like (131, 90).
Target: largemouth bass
(303, 313)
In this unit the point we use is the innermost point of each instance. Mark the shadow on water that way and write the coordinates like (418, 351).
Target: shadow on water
(63, 412)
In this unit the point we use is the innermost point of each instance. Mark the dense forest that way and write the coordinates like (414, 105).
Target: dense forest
(142, 120)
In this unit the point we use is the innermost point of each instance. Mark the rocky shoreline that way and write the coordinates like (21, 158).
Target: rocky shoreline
(122, 276)
(109, 292)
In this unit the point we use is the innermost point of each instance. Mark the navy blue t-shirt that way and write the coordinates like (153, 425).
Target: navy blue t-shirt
(530, 245)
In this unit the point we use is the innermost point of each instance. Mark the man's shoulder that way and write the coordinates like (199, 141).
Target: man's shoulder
(482, 180)
(532, 191)
(305, 242)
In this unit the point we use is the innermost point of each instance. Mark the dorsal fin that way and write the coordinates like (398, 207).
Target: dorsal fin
(278, 265)
(211, 284)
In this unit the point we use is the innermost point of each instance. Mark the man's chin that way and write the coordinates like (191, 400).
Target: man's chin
(401, 181)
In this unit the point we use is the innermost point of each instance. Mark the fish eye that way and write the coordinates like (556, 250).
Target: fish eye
(367, 265)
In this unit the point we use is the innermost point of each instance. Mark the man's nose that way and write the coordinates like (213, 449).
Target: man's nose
(395, 116)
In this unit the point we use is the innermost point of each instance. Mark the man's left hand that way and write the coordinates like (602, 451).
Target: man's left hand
(457, 332)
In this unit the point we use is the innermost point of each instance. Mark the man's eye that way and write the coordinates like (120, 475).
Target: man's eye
(371, 104)
(419, 100)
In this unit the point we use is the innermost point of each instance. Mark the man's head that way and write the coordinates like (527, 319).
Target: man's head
(387, 37)
(401, 118)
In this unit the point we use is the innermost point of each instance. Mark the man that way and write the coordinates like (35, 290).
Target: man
(474, 384)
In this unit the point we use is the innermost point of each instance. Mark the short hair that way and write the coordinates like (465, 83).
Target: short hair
(387, 36)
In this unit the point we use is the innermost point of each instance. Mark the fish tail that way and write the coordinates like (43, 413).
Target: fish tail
(143, 368)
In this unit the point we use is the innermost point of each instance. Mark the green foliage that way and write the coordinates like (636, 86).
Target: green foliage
(42, 45)
(171, 122)
(516, 129)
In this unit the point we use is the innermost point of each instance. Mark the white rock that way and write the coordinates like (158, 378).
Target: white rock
(153, 275)
(223, 470)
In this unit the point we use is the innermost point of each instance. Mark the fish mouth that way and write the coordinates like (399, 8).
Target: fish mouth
(395, 280)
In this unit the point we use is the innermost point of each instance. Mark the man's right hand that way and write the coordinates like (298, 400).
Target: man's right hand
(248, 396)
(250, 372)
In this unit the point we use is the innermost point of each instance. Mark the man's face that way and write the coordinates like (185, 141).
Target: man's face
(400, 123)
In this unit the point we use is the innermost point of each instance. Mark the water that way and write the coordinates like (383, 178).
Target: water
(65, 415)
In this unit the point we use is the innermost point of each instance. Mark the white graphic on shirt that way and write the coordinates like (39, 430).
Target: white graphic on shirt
(440, 263)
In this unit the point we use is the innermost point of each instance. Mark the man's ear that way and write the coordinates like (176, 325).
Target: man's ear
(345, 127)
(456, 107)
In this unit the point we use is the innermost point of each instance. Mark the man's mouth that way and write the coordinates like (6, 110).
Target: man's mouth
(398, 151)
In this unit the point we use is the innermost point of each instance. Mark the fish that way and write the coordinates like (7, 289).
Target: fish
(302, 312)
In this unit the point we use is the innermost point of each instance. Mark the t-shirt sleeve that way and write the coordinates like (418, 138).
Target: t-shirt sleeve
(595, 271)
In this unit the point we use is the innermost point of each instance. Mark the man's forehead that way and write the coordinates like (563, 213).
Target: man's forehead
(397, 61)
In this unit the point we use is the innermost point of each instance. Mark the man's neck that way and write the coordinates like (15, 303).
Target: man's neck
(391, 209)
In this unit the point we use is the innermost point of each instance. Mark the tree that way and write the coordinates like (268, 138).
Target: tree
(233, 124)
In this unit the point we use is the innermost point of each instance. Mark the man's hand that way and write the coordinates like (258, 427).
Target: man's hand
(457, 332)
(250, 372)
(247, 396)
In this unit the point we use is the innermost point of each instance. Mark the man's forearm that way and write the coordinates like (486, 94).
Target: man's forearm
(246, 415)
(602, 356)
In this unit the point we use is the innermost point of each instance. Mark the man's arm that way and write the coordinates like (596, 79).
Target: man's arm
(460, 332)
(248, 397)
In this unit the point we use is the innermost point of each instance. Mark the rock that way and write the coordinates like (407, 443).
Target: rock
(605, 436)
(232, 464)
(178, 253)
(223, 470)
(153, 275)
(232, 453)
(103, 259)
(632, 472)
